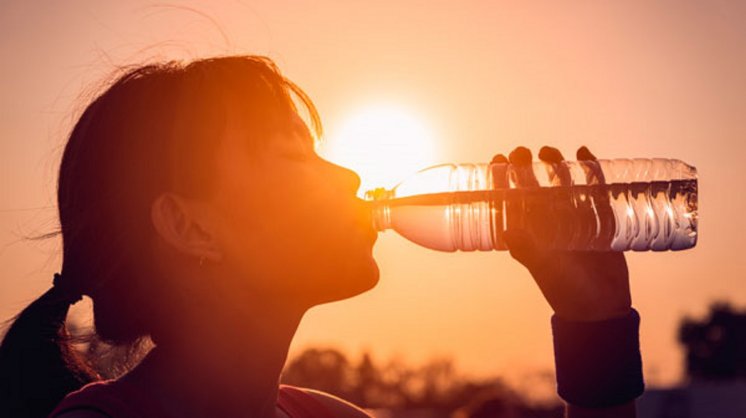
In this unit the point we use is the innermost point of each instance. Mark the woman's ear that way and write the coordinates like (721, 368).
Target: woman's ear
(183, 224)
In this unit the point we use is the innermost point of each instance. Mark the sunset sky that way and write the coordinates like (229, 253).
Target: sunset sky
(459, 80)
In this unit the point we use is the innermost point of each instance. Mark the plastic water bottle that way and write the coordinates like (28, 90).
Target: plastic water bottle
(603, 205)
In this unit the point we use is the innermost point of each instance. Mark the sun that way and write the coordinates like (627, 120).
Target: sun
(383, 143)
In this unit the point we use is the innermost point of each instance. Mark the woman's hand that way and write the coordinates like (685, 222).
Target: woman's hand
(579, 285)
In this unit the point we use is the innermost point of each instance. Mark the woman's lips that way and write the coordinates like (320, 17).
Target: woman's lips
(373, 234)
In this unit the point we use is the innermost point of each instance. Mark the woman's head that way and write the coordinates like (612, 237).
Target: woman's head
(200, 181)
(208, 163)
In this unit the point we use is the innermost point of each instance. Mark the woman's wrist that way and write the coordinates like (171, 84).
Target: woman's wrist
(598, 363)
(594, 314)
(627, 410)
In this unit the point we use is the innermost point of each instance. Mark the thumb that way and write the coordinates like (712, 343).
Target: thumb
(522, 247)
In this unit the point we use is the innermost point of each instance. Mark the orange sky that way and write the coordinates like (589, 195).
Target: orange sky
(628, 79)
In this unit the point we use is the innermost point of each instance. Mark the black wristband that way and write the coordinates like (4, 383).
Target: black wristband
(598, 363)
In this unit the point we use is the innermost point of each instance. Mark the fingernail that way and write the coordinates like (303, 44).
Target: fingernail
(499, 159)
(585, 154)
(520, 155)
(550, 154)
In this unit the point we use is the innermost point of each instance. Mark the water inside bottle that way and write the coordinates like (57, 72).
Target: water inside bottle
(658, 215)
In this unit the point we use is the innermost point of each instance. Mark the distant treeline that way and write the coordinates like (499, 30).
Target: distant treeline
(716, 344)
(394, 385)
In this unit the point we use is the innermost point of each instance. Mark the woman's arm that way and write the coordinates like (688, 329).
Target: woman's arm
(627, 410)
(81, 413)
(589, 293)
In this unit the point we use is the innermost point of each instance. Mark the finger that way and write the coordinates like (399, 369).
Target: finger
(522, 172)
(594, 175)
(499, 159)
(593, 172)
(558, 173)
(520, 156)
(550, 155)
(500, 182)
(584, 154)
(499, 166)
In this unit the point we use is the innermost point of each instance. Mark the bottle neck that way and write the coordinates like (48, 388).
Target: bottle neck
(381, 216)
(380, 210)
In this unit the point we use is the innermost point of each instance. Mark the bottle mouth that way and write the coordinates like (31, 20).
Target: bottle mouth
(380, 210)
(379, 193)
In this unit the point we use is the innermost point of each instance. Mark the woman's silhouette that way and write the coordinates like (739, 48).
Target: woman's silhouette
(195, 212)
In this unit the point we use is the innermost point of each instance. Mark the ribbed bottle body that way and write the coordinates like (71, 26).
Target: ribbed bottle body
(619, 205)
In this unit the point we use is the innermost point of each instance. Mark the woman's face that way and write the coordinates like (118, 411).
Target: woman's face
(289, 224)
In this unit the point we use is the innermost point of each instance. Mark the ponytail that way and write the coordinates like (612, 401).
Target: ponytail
(38, 366)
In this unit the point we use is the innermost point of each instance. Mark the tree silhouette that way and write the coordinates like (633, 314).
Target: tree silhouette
(396, 385)
(715, 346)
(325, 369)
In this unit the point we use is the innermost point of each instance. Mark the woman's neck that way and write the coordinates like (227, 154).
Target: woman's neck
(221, 367)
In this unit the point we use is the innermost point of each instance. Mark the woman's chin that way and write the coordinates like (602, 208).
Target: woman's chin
(359, 280)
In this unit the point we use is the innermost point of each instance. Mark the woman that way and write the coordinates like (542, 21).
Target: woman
(195, 212)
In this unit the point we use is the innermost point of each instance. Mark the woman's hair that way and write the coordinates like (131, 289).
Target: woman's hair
(155, 129)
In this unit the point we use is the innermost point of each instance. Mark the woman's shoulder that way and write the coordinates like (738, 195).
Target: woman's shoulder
(339, 407)
(102, 399)
(81, 413)
(336, 406)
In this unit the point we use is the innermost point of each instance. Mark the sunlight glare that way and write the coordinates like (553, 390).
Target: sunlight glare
(384, 144)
